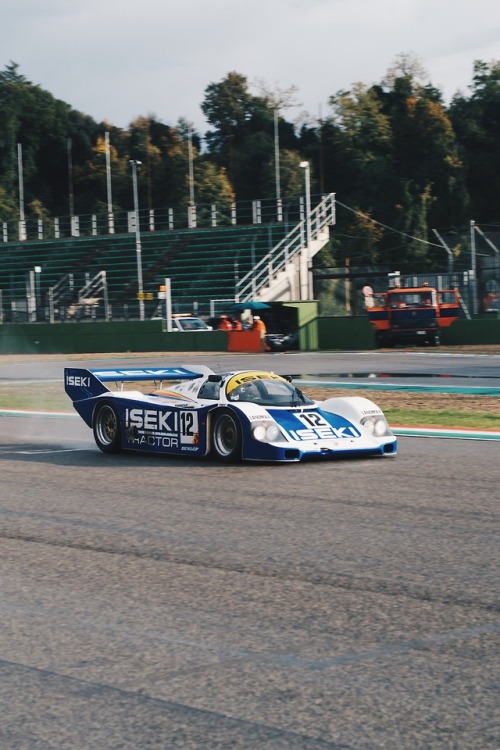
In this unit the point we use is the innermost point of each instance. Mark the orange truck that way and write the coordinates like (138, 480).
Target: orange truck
(413, 314)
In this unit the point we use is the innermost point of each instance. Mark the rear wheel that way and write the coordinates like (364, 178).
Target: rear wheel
(107, 432)
(226, 436)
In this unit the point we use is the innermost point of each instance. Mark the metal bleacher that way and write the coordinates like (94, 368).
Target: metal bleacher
(99, 275)
(202, 264)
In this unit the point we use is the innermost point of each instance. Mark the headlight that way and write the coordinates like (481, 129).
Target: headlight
(259, 432)
(376, 425)
(267, 432)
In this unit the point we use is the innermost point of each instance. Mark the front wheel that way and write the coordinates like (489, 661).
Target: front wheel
(107, 433)
(226, 436)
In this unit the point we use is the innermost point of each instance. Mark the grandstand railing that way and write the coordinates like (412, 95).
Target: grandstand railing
(265, 270)
(261, 211)
(88, 298)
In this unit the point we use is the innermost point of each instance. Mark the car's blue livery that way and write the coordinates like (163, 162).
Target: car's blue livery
(250, 414)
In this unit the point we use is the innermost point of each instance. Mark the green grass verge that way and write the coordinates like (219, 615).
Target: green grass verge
(42, 397)
(443, 418)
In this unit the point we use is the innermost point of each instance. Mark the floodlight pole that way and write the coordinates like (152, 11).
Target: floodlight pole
(140, 290)
(22, 222)
(111, 219)
(279, 203)
(497, 262)
(450, 253)
(473, 266)
(168, 304)
(307, 177)
(192, 221)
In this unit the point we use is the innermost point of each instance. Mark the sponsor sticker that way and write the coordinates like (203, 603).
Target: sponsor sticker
(250, 377)
(167, 428)
(315, 427)
(79, 380)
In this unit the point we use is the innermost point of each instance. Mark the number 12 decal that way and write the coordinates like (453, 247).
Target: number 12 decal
(188, 426)
(313, 420)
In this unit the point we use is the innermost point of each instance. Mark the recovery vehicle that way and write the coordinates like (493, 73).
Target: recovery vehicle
(413, 314)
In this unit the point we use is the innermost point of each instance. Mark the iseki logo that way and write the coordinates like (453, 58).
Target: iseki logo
(316, 427)
(78, 380)
(151, 419)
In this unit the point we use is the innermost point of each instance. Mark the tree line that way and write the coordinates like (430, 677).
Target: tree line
(400, 160)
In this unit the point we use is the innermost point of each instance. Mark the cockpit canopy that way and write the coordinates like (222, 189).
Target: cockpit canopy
(265, 389)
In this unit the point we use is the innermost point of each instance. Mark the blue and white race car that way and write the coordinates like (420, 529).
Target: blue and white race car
(250, 414)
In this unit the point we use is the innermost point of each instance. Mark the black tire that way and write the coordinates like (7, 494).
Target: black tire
(107, 430)
(436, 340)
(226, 436)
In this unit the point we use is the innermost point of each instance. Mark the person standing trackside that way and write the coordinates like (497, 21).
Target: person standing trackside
(368, 295)
(225, 324)
(259, 325)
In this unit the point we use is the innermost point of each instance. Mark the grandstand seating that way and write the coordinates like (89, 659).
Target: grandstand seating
(203, 265)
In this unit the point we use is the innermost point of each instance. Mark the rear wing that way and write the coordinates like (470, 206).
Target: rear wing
(81, 384)
(146, 373)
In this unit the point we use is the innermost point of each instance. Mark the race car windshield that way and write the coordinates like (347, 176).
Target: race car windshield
(269, 393)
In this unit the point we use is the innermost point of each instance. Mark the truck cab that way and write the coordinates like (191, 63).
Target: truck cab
(413, 315)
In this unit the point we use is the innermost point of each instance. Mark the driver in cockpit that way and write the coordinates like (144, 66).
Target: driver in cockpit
(245, 392)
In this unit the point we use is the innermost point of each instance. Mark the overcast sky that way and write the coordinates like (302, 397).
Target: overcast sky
(117, 59)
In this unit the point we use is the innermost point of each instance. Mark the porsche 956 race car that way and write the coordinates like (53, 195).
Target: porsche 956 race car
(251, 415)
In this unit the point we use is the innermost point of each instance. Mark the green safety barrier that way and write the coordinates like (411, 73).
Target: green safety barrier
(122, 336)
(315, 334)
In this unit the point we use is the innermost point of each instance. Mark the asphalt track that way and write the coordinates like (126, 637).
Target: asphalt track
(162, 603)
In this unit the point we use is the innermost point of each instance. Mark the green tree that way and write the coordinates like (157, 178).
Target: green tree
(357, 239)
(212, 185)
(243, 137)
(10, 83)
(426, 153)
(408, 249)
(90, 178)
(357, 160)
(226, 107)
(476, 121)
(42, 125)
(394, 155)
(361, 134)
(9, 209)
